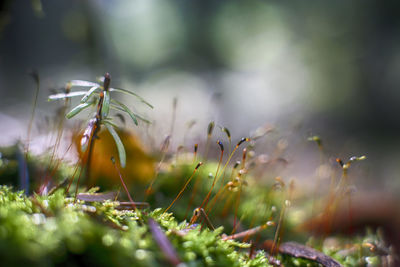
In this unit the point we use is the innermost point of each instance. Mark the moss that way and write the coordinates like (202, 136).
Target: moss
(48, 231)
(55, 231)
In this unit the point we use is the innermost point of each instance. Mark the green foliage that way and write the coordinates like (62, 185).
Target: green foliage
(78, 109)
(132, 94)
(102, 96)
(52, 230)
(120, 146)
(122, 107)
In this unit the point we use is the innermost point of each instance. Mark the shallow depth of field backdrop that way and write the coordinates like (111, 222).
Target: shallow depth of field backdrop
(329, 68)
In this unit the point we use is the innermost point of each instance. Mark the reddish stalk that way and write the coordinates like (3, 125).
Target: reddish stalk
(184, 187)
(123, 183)
(236, 210)
(164, 149)
(230, 157)
(205, 201)
(222, 189)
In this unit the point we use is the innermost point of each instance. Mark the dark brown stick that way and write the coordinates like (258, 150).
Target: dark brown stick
(300, 251)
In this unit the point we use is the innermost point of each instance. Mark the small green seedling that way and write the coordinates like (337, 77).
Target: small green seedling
(100, 95)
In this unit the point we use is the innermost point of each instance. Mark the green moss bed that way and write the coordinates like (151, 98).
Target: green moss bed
(54, 229)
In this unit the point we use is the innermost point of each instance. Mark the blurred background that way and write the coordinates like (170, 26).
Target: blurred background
(326, 68)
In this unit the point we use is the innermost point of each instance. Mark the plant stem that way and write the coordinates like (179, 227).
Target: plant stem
(106, 86)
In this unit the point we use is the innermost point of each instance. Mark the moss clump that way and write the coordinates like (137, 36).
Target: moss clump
(48, 231)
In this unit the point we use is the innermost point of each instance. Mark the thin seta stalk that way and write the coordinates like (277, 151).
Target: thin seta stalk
(196, 184)
(240, 178)
(184, 187)
(53, 163)
(205, 201)
(123, 183)
(285, 205)
(217, 177)
(210, 130)
(25, 177)
(222, 189)
(35, 76)
(229, 159)
(164, 150)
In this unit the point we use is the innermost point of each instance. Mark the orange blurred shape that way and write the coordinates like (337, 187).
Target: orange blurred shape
(139, 164)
